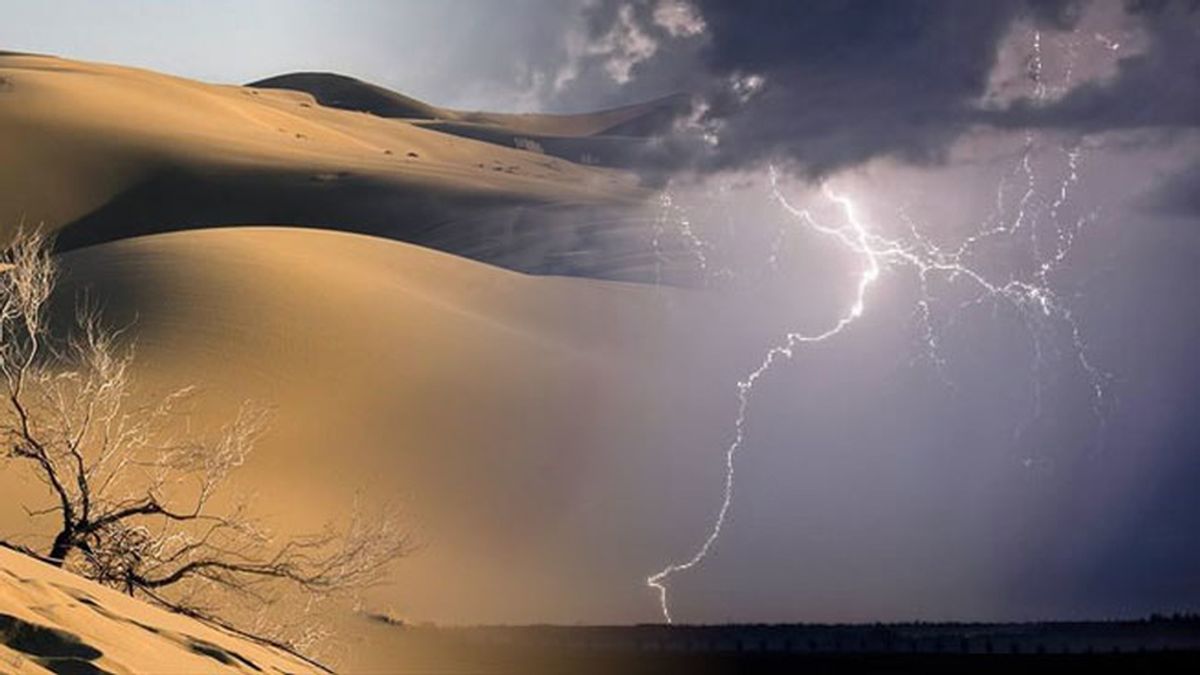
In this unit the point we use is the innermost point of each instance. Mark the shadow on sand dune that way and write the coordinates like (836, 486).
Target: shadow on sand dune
(605, 242)
(56, 650)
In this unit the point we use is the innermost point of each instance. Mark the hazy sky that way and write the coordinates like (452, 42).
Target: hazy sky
(875, 483)
(460, 52)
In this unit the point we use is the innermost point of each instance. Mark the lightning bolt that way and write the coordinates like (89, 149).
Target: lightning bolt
(670, 212)
(1043, 312)
(855, 238)
(879, 254)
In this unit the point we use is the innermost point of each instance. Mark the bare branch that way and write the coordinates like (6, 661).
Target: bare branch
(135, 489)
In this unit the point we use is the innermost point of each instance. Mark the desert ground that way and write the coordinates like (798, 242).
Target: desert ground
(53, 621)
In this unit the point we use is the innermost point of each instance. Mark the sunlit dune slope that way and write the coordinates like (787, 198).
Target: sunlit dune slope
(545, 434)
(52, 621)
(104, 152)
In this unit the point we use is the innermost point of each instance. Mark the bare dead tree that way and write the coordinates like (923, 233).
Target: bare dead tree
(132, 489)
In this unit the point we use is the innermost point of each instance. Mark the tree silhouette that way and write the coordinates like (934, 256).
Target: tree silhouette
(131, 488)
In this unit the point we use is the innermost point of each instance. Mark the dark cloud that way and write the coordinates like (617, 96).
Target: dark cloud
(846, 81)
(842, 81)
(849, 80)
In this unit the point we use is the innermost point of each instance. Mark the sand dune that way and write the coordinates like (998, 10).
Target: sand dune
(340, 91)
(546, 435)
(348, 93)
(104, 152)
(618, 137)
(52, 621)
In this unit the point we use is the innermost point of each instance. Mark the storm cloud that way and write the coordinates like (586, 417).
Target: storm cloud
(822, 86)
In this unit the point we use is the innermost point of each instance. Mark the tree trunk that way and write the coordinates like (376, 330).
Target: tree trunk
(60, 548)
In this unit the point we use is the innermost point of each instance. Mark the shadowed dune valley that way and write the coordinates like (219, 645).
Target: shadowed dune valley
(599, 336)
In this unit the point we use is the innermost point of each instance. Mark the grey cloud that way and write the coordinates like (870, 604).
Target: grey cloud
(847, 81)
(1159, 87)
(624, 51)
(1177, 195)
